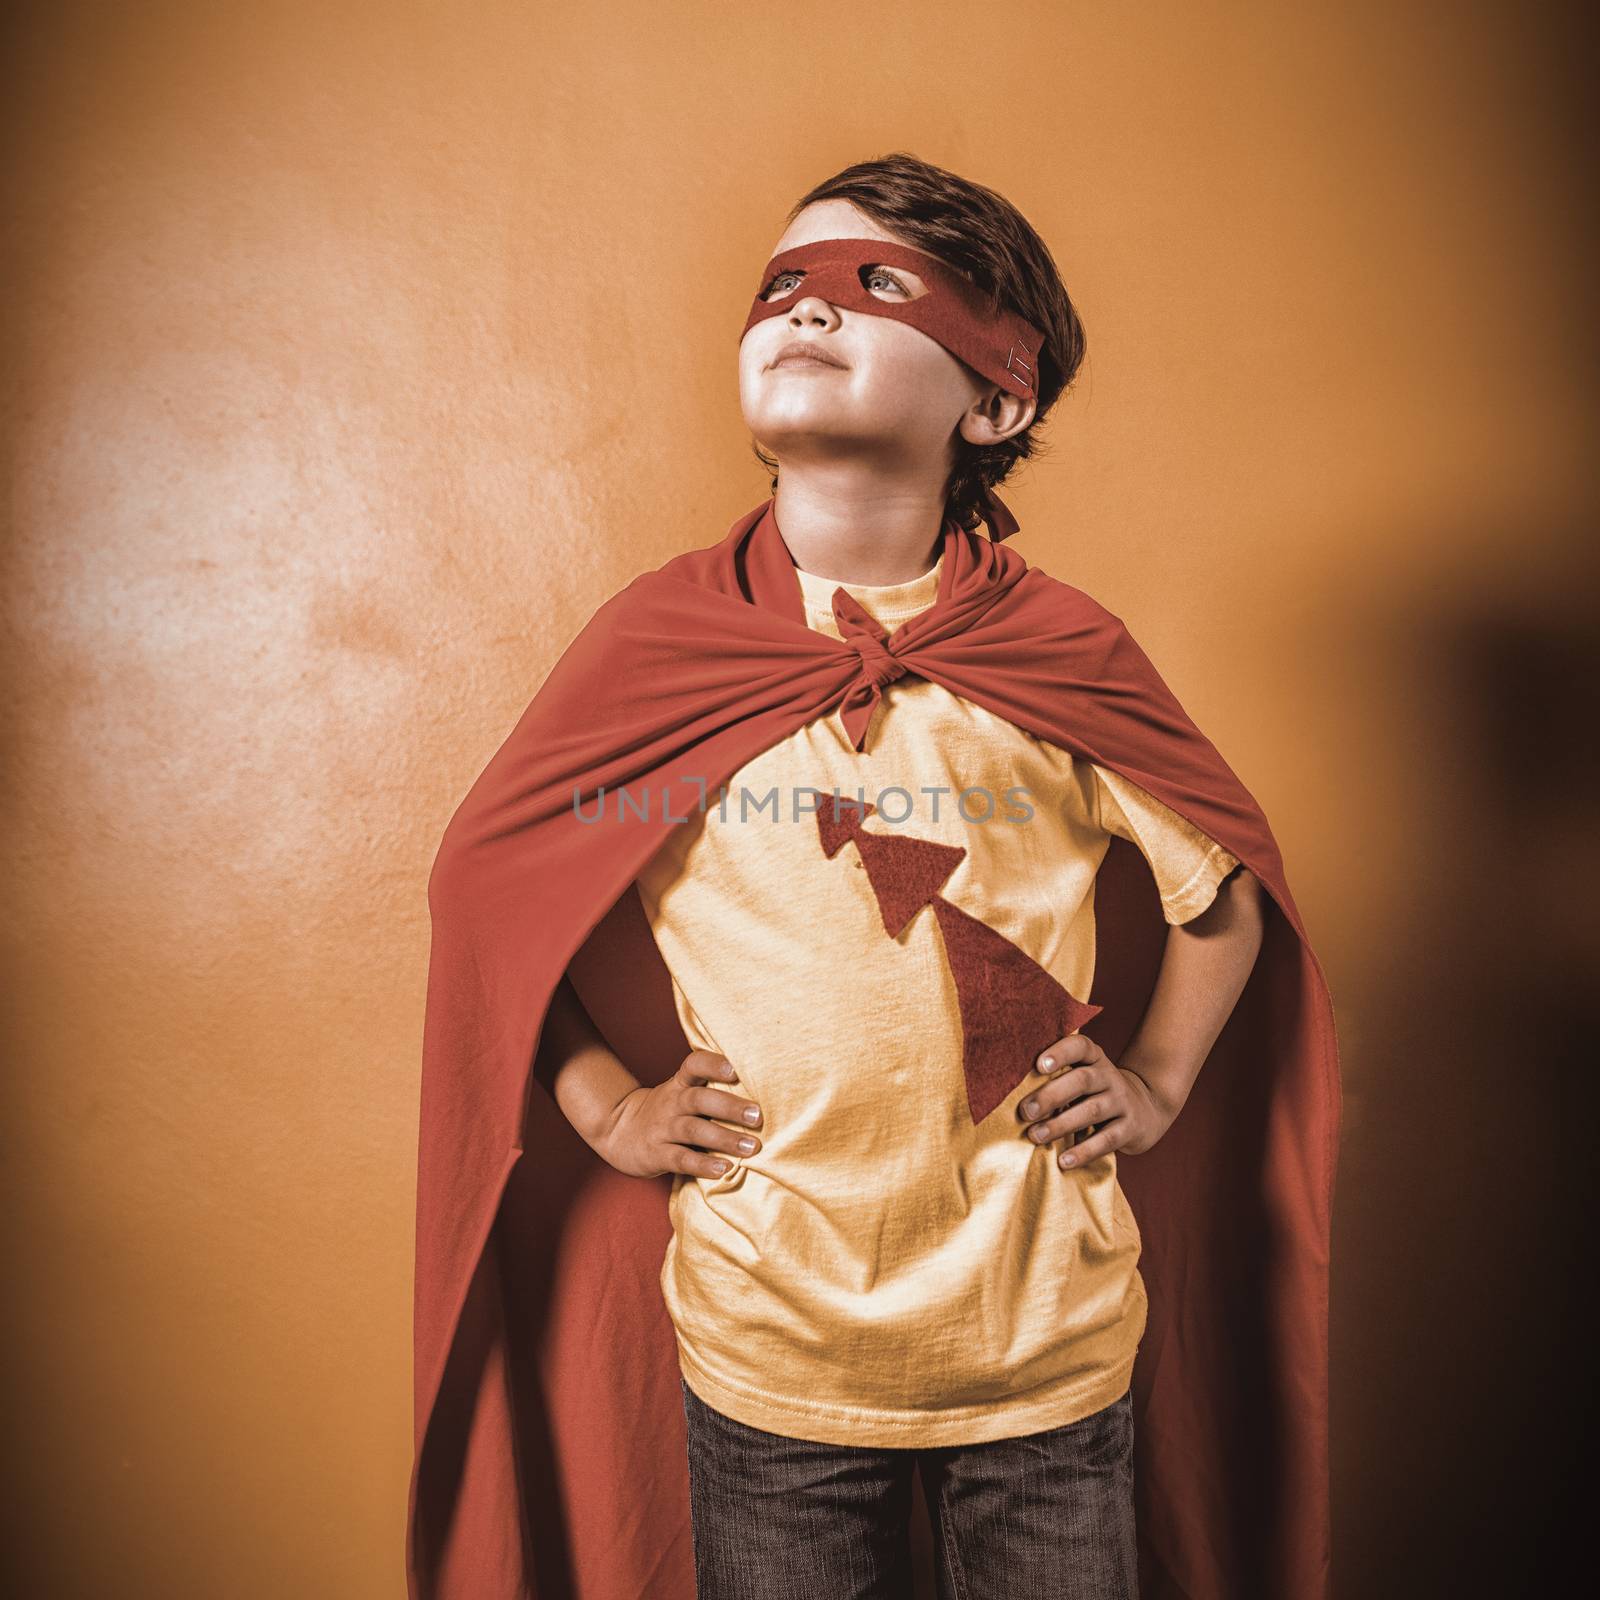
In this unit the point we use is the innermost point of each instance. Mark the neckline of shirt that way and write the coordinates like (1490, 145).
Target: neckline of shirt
(879, 600)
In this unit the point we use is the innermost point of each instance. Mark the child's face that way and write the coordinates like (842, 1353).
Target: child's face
(899, 398)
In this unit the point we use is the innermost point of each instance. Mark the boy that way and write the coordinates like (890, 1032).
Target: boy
(902, 1244)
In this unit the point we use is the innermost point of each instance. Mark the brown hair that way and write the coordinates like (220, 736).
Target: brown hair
(984, 237)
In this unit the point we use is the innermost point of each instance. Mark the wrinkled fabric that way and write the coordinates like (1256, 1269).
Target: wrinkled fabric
(898, 1265)
(548, 1429)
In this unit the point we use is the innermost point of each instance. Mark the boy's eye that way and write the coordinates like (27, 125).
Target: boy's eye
(786, 282)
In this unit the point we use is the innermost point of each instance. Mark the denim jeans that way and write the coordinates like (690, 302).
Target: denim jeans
(1044, 1516)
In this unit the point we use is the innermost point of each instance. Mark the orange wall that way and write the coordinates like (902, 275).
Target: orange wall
(357, 353)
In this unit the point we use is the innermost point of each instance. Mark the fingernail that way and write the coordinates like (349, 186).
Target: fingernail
(719, 1167)
(1030, 1108)
(1069, 1161)
(1047, 1061)
(747, 1145)
(752, 1115)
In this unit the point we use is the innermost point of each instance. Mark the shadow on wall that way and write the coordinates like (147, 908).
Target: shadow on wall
(1461, 1187)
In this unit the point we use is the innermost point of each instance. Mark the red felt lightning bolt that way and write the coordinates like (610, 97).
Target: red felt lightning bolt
(1011, 1008)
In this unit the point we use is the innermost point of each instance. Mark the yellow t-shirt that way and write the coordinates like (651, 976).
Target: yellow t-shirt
(882, 1271)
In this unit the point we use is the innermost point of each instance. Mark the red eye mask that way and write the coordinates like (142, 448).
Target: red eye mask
(998, 345)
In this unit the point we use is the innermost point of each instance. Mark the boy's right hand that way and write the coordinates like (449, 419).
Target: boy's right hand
(655, 1129)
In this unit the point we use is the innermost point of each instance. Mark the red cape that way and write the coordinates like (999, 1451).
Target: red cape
(549, 1427)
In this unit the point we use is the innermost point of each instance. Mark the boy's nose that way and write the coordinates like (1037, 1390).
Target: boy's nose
(813, 308)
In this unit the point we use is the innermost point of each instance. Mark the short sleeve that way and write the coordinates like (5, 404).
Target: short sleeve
(1187, 865)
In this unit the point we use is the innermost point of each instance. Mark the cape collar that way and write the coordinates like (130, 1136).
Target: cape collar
(977, 575)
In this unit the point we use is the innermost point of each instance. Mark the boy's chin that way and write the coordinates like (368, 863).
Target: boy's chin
(812, 439)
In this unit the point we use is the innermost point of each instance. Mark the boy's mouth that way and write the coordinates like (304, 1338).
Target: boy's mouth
(804, 352)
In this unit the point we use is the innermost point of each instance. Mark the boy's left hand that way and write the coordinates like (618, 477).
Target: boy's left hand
(1088, 1087)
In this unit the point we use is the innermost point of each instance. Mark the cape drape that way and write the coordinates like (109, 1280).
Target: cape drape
(549, 1433)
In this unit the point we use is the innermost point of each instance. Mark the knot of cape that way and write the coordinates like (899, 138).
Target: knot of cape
(880, 665)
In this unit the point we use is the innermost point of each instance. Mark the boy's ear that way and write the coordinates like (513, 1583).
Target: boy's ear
(996, 415)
